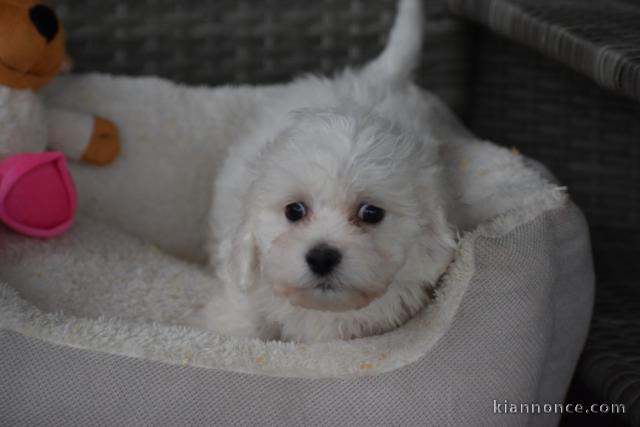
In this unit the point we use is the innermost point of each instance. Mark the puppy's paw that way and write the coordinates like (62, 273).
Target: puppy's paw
(104, 145)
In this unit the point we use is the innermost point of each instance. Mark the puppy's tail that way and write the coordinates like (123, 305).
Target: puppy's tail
(401, 55)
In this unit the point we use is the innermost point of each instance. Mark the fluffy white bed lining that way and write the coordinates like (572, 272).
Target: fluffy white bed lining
(104, 289)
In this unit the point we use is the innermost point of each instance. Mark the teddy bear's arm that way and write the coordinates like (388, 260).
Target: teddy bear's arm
(82, 136)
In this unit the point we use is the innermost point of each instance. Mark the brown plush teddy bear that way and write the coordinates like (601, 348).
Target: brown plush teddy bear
(32, 52)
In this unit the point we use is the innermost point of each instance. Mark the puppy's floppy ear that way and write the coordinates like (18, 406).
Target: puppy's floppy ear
(241, 258)
(437, 240)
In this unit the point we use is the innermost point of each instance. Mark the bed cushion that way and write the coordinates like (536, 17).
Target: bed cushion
(90, 324)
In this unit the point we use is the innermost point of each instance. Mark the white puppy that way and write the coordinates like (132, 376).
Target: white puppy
(328, 218)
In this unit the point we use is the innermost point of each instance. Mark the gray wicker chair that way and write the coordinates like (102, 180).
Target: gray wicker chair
(569, 98)
(535, 86)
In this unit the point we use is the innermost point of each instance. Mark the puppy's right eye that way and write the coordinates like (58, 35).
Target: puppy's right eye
(295, 211)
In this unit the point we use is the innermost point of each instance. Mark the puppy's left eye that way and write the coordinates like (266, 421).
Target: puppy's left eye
(295, 211)
(370, 214)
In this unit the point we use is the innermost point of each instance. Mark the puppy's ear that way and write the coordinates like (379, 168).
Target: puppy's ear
(242, 259)
(437, 241)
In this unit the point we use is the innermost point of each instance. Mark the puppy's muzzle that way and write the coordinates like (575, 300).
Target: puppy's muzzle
(323, 260)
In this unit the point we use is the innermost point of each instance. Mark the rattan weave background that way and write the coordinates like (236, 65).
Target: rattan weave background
(599, 38)
(589, 138)
(610, 364)
(252, 41)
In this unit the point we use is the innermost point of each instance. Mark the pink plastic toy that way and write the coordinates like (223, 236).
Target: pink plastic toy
(37, 195)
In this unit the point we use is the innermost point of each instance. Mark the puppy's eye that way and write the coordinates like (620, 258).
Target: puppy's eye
(370, 214)
(295, 211)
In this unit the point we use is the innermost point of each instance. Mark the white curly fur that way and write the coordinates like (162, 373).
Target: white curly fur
(333, 144)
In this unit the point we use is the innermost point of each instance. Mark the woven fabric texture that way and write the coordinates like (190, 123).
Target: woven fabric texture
(257, 41)
(610, 365)
(600, 38)
(505, 329)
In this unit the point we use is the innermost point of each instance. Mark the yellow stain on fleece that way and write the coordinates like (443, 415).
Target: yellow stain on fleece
(187, 357)
(366, 366)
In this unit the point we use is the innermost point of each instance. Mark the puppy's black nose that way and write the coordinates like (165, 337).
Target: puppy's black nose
(323, 259)
(45, 21)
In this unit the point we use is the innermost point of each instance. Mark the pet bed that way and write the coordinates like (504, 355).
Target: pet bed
(90, 324)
